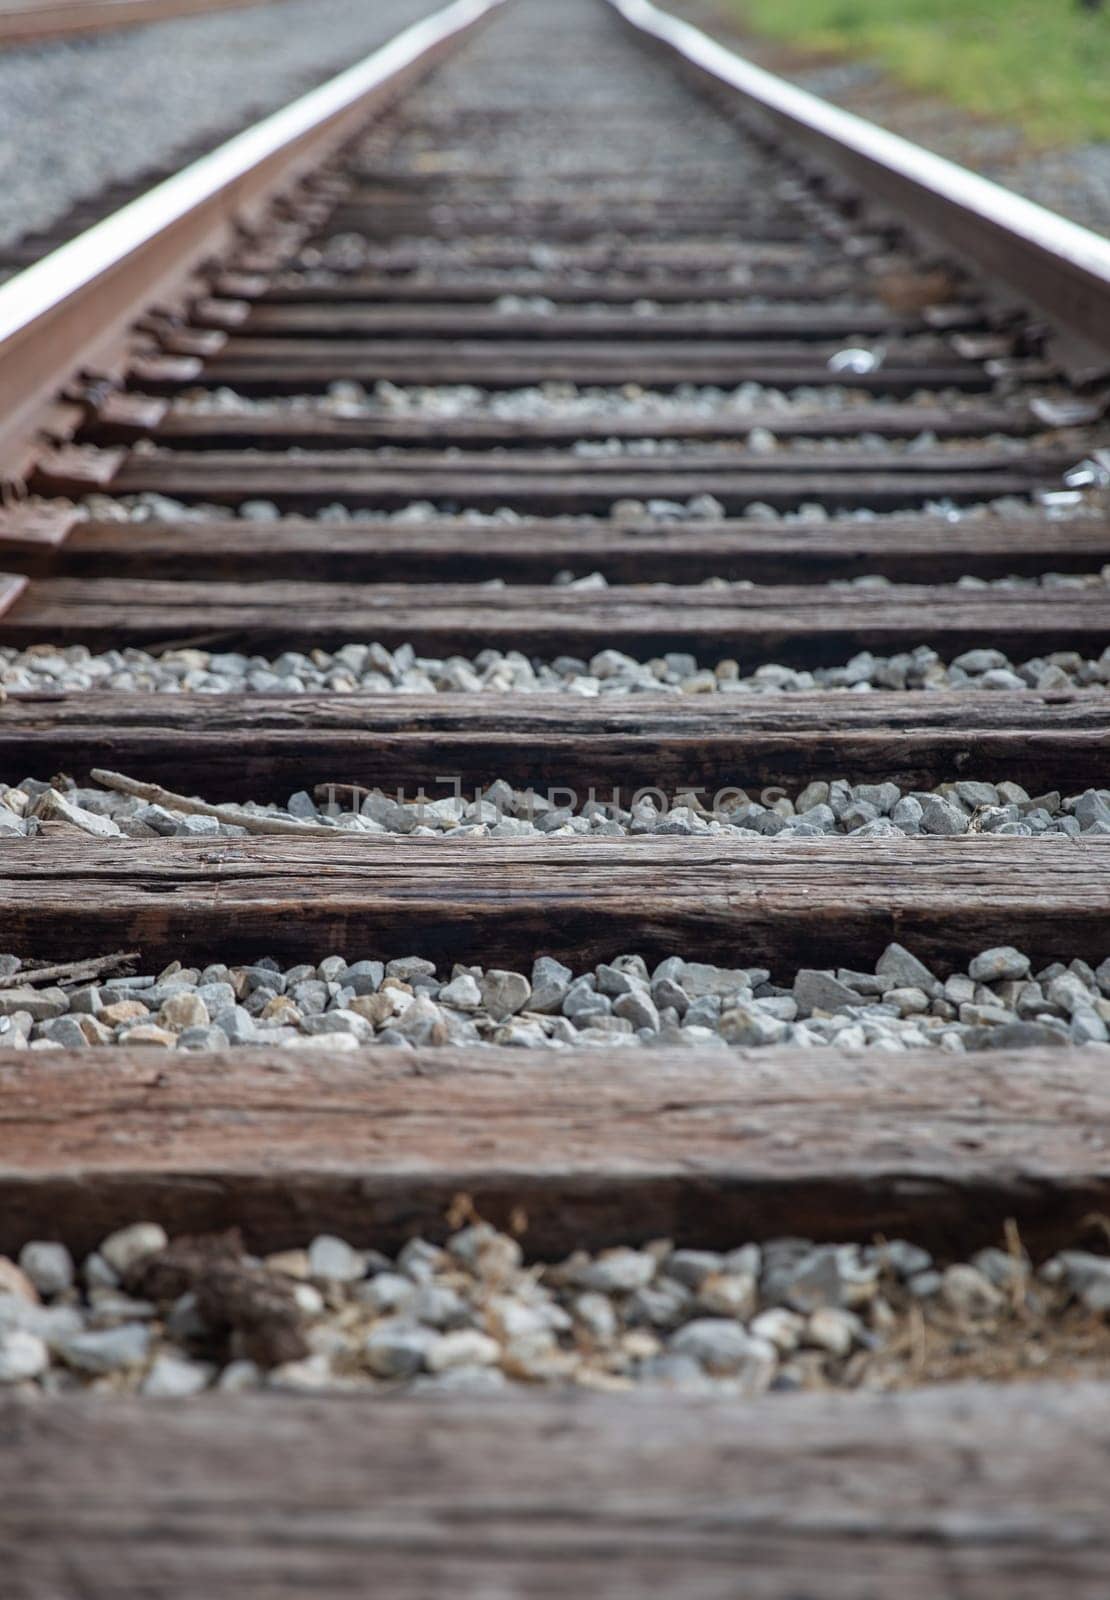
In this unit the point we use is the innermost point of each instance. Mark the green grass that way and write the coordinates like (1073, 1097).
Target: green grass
(1043, 64)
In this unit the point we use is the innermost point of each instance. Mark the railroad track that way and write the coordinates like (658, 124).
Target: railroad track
(533, 523)
(46, 20)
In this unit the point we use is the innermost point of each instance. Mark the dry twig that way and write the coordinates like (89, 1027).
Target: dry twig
(235, 816)
(72, 971)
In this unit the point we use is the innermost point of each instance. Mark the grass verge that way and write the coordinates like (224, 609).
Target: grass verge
(1044, 64)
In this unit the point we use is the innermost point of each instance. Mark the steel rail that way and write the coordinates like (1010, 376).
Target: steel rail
(1057, 267)
(74, 308)
(58, 19)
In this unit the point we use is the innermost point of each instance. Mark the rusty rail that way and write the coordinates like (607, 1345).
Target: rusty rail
(39, 23)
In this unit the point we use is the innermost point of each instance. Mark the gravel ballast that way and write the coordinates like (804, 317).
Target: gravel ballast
(500, 811)
(208, 76)
(359, 667)
(171, 1319)
(999, 1002)
(1062, 504)
(555, 401)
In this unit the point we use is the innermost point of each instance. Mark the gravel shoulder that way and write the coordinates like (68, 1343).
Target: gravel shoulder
(78, 115)
(1074, 181)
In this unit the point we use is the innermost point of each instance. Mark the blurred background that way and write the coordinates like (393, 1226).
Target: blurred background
(101, 98)
(1016, 89)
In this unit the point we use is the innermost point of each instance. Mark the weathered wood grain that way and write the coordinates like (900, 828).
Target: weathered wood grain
(238, 747)
(185, 427)
(989, 1493)
(1032, 463)
(288, 365)
(705, 460)
(400, 177)
(662, 222)
(921, 355)
(343, 321)
(611, 255)
(483, 286)
(905, 549)
(500, 901)
(726, 201)
(12, 588)
(751, 626)
(593, 1147)
(277, 372)
(558, 488)
(31, 533)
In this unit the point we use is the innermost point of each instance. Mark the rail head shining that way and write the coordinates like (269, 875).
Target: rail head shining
(1056, 266)
(74, 308)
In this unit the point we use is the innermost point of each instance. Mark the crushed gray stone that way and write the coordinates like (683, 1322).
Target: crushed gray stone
(554, 401)
(821, 809)
(371, 668)
(208, 76)
(782, 1315)
(999, 1002)
(1063, 504)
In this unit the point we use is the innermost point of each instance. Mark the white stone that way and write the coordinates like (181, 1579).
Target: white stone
(970, 1293)
(504, 993)
(55, 807)
(175, 1377)
(595, 1313)
(466, 1347)
(309, 1299)
(617, 1271)
(329, 1257)
(49, 1266)
(728, 1294)
(387, 1292)
(725, 1348)
(102, 1350)
(462, 993)
(22, 1355)
(832, 1329)
(184, 1010)
(397, 1349)
(239, 1376)
(122, 1249)
(780, 1327)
